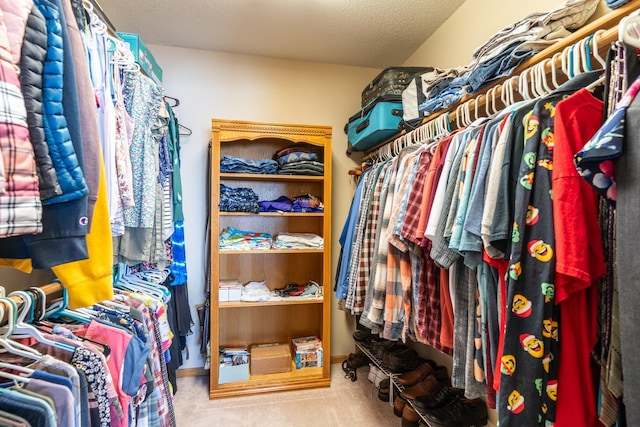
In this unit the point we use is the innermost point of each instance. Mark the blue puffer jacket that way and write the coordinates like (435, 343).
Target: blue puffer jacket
(33, 56)
(61, 148)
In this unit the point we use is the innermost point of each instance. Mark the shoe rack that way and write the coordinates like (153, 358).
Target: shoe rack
(396, 387)
(279, 320)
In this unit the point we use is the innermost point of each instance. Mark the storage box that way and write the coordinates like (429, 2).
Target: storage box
(223, 294)
(233, 373)
(235, 293)
(309, 359)
(143, 56)
(270, 359)
(311, 343)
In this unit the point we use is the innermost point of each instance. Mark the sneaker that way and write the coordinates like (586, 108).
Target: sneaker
(376, 375)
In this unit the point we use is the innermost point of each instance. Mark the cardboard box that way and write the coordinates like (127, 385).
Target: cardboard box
(143, 56)
(270, 359)
(233, 373)
(309, 359)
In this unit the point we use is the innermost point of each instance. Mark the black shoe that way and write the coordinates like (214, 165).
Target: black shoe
(363, 336)
(379, 346)
(459, 412)
(438, 398)
(401, 360)
(384, 390)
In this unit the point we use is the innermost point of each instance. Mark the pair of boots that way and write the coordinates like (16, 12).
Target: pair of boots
(429, 389)
(423, 381)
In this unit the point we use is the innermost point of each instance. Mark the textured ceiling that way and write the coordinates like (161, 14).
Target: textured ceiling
(367, 33)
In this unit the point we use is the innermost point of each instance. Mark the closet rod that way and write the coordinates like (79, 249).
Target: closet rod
(608, 22)
(100, 12)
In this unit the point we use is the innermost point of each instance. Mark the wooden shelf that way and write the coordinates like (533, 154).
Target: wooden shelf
(278, 214)
(275, 178)
(271, 251)
(297, 379)
(246, 323)
(272, 302)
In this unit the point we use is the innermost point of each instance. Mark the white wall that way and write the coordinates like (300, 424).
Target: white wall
(230, 86)
(472, 25)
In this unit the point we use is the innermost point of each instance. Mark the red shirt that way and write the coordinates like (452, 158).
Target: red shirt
(579, 259)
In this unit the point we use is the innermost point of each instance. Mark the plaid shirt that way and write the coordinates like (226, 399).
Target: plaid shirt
(371, 316)
(378, 281)
(20, 206)
(356, 295)
(406, 174)
(369, 242)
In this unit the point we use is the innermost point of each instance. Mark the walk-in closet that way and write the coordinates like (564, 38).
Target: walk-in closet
(358, 213)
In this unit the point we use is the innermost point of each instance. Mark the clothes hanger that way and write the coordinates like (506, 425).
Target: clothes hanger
(135, 283)
(595, 51)
(542, 76)
(16, 378)
(566, 64)
(14, 367)
(21, 329)
(554, 74)
(506, 93)
(458, 116)
(60, 309)
(186, 130)
(40, 302)
(467, 113)
(6, 343)
(586, 58)
(629, 30)
(475, 107)
(523, 85)
(176, 101)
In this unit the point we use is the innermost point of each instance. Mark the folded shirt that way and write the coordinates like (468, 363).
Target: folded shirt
(298, 241)
(305, 203)
(255, 291)
(302, 168)
(301, 147)
(281, 204)
(296, 156)
(234, 239)
(239, 199)
(233, 164)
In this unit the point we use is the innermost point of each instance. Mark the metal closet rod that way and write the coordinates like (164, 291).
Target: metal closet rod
(603, 39)
(100, 12)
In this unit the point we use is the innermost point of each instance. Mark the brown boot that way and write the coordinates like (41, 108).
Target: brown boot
(423, 388)
(412, 378)
(410, 417)
(398, 405)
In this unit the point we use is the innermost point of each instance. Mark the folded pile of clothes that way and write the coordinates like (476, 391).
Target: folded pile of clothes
(305, 203)
(234, 239)
(232, 164)
(299, 159)
(239, 199)
(298, 241)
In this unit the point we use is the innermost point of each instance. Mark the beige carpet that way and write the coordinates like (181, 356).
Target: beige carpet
(345, 403)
